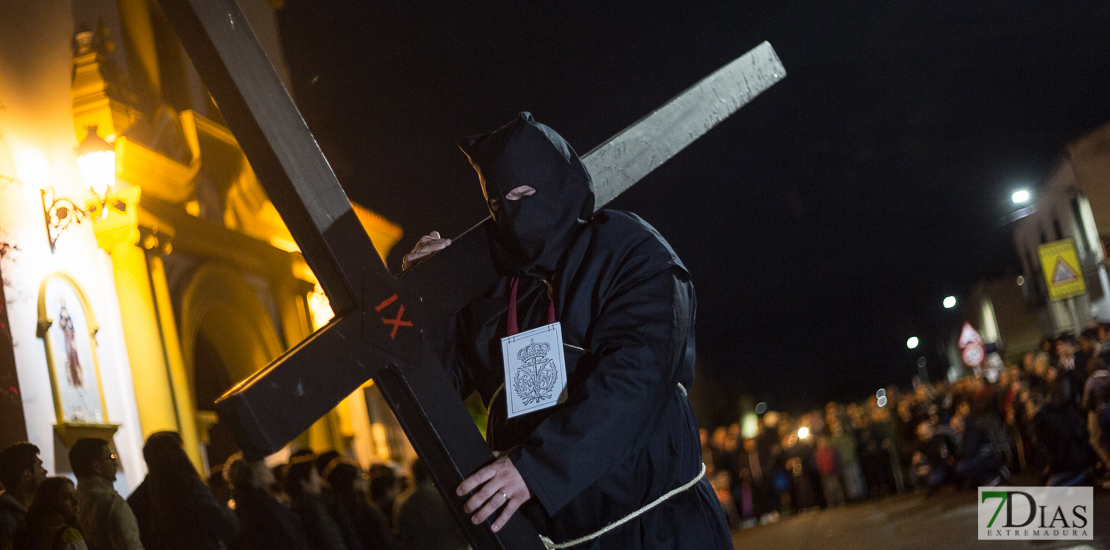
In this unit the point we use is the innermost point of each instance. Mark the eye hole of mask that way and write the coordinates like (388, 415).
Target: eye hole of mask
(520, 192)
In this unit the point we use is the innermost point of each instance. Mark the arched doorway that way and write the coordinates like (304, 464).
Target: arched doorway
(226, 336)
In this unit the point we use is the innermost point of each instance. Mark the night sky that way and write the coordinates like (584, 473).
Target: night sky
(823, 223)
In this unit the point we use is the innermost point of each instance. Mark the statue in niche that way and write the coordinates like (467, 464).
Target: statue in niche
(74, 373)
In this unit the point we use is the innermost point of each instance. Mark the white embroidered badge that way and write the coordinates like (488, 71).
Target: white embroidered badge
(535, 371)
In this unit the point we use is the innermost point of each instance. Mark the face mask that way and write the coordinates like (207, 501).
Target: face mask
(531, 233)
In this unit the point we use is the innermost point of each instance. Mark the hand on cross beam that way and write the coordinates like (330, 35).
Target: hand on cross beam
(427, 244)
(432, 242)
(501, 485)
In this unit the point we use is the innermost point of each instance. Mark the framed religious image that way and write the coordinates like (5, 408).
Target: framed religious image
(68, 328)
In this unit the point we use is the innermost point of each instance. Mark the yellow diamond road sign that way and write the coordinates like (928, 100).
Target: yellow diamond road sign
(1060, 266)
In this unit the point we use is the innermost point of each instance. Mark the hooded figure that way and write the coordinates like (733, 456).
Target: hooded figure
(530, 236)
(626, 433)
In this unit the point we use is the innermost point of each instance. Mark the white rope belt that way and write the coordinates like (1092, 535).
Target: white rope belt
(550, 545)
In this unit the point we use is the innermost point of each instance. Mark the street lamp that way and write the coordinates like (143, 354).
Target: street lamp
(96, 159)
(950, 302)
(912, 342)
(1024, 199)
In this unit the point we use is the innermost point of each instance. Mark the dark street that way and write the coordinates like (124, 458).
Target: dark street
(946, 520)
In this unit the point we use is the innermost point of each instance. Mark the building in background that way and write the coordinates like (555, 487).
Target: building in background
(131, 304)
(1074, 203)
(997, 309)
(1013, 312)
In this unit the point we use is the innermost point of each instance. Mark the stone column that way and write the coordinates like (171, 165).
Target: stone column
(180, 381)
(162, 395)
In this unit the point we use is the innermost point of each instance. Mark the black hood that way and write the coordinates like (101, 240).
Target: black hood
(531, 233)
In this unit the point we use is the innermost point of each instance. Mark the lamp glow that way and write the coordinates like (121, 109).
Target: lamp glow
(97, 160)
(912, 342)
(1020, 196)
(98, 170)
(803, 432)
(950, 302)
(32, 167)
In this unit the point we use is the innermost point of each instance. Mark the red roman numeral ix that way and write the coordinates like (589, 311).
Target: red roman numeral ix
(396, 322)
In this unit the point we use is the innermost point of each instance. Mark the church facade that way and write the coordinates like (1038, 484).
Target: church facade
(132, 299)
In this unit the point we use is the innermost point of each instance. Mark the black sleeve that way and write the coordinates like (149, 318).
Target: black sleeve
(639, 338)
(465, 351)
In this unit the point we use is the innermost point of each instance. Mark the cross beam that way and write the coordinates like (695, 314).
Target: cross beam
(386, 328)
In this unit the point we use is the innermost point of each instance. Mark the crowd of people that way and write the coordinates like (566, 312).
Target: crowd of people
(314, 502)
(1047, 419)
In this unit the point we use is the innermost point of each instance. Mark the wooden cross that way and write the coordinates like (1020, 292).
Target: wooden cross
(391, 328)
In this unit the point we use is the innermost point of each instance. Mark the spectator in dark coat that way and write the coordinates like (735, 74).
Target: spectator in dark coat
(324, 461)
(1062, 390)
(1096, 400)
(174, 508)
(51, 521)
(1062, 440)
(936, 458)
(385, 487)
(304, 485)
(21, 472)
(766, 447)
(1098, 354)
(423, 519)
(265, 523)
(979, 463)
(801, 466)
(351, 506)
(1071, 364)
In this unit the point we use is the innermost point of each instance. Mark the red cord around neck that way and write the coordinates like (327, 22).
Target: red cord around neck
(513, 326)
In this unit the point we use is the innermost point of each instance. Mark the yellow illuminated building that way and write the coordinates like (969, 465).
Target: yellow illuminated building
(185, 282)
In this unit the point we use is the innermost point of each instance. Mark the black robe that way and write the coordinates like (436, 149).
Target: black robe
(626, 433)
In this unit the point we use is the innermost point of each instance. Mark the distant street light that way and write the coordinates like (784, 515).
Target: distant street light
(950, 302)
(912, 342)
(1020, 196)
(803, 432)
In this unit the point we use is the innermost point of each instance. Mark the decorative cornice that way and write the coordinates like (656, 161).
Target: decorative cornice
(70, 432)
